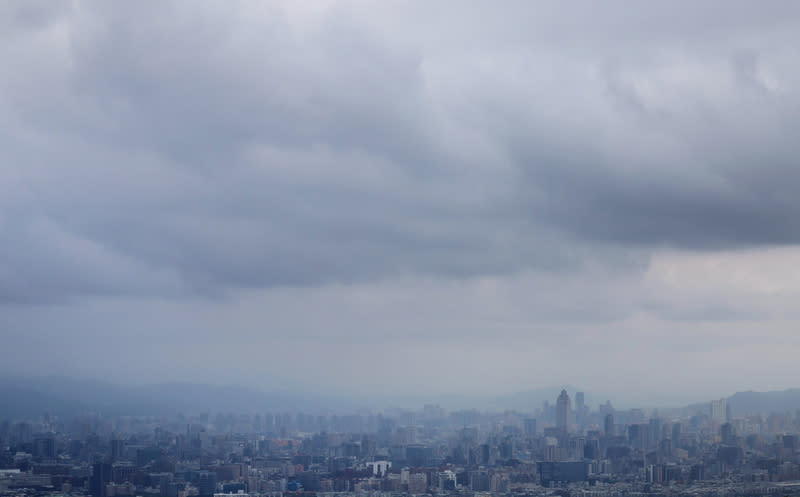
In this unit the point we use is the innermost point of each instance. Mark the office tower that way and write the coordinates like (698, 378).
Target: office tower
(576, 448)
(22, 432)
(507, 449)
(655, 429)
(634, 434)
(591, 449)
(676, 435)
(609, 425)
(530, 427)
(419, 455)
(580, 409)
(639, 436)
(562, 412)
(101, 475)
(728, 434)
(719, 411)
(479, 481)
(666, 431)
(207, 483)
(44, 447)
(117, 449)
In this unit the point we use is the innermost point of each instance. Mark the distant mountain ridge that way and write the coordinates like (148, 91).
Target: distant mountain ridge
(30, 397)
(750, 402)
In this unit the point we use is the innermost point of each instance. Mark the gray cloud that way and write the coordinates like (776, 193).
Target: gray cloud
(235, 156)
(434, 170)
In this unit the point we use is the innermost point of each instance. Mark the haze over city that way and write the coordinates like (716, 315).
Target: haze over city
(381, 248)
(403, 198)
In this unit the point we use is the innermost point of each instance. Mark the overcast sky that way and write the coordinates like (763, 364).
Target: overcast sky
(403, 197)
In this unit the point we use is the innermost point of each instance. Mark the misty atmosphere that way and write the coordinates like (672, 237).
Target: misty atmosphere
(298, 248)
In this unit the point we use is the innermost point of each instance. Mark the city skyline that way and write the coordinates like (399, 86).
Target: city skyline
(71, 396)
(382, 248)
(394, 452)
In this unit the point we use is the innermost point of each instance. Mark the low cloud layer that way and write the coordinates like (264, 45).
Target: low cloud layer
(541, 173)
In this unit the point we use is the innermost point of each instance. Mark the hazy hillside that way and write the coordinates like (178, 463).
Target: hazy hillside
(764, 402)
(30, 397)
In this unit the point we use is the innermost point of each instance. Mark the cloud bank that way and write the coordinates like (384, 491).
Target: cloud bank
(414, 186)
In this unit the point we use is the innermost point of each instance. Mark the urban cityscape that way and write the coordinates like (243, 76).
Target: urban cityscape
(564, 448)
(392, 248)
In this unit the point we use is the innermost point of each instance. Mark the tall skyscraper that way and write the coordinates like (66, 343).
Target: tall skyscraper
(719, 412)
(530, 427)
(101, 475)
(728, 434)
(117, 449)
(609, 425)
(676, 435)
(655, 429)
(562, 412)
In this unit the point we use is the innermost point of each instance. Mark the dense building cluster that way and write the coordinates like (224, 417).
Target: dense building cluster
(558, 449)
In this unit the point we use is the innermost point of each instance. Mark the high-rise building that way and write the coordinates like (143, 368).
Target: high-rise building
(117, 449)
(101, 475)
(676, 435)
(609, 425)
(22, 432)
(530, 427)
(562, 412)
(44, 447)
(719, 412)
(572, 471)
(655, 429)
(206, 483)
(479, 481)
(728, 434)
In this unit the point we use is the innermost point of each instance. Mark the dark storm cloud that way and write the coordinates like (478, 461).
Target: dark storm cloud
(736, 210)
(163, 148)
(692, 178)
